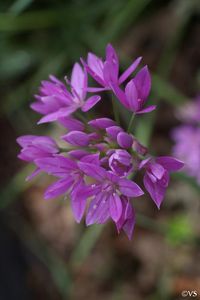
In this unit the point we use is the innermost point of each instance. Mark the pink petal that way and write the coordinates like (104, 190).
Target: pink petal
(90, 102)
(115, 206)
(124, 140)
(132, 96)
(102, 123)
(72, 124)
(146, 110)
(130, 70)
(113, 131)
(129, 188)
(62, 112)
(142, 82)
(170, 163)
(98, 211)
(93, 170)
(77, 138)
(58, 188)
(155, 190)
(79, 80)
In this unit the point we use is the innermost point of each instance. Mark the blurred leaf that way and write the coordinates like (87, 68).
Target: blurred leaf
(179, 230)
(85, 245)
(188, 179)
(19, 5)
(164, 90)
(16, 185)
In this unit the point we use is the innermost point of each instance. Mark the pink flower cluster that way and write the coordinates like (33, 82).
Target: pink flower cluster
(96, 166)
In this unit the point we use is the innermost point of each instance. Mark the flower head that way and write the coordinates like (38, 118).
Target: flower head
(136, 92)
(55, 101)
(156, 178)
(106, 72)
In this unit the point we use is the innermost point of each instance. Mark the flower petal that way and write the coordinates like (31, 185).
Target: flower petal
(132, 96)
(170, 163)
(146, 110)
(129, 188)
(79, 80)
(92, 170)
(92, 101)
(58, 188)
(72, 124)
(130, 70)
(62, 112)
(77, 138)
(102, 123)
(124, 140)
(142, 82)
(98, 211)
(113, 131)
(115, 206)
(155, 190)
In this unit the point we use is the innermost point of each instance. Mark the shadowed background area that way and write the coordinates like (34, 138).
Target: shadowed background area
(44, 254)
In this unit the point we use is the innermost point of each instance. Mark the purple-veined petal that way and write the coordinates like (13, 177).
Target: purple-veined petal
(77, 154)
(96, 89)
(129, 188)
(78, 199)
(77, 138)
(132, 96)
(124, 140)
(26, 140)
(146, 110)
(90, 102)
(58, 166)
(113, 131)
(91, 158)
(93, 170)
(170, 163)
(157, 170)
(72, 124)
(119, 93)
(62, 112)
(102, 123)
(79, 80)
(33, 174)
(58, 188)
(156, 191)
(144, 163)
(142, 82)
(98, 211)
(115, 206)
(112, 58)
(130, 70)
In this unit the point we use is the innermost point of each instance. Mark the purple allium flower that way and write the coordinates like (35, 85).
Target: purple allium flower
(120, 162)
(127, 219)
(99, 158)
(106, 73)
(136, 92)
(55, 101)
(156, 178)
(109, 193)
(188, 136)
(71, 180)
(34, 147)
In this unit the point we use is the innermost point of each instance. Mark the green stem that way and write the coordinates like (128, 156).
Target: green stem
(115, 111)
(130, 123)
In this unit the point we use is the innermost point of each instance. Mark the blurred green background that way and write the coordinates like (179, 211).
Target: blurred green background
(43, 253)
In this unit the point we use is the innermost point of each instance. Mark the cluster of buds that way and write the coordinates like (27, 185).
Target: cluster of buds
(96, 166)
